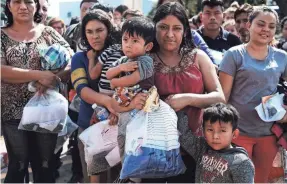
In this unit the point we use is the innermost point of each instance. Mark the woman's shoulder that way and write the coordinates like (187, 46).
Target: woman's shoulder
(80, 55)
(278, 52)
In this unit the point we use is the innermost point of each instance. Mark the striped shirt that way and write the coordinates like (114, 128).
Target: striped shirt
(107, 58)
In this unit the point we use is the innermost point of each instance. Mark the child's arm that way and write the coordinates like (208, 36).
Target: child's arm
(193, 145)
(125, 67)
(94, 69)
(243, 172)
(126, 81)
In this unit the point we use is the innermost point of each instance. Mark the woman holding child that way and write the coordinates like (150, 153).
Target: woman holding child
(182, 74)
(88, 75)
(247, 73)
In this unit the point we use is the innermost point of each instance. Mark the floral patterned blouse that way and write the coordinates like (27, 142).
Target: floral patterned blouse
(26, 56)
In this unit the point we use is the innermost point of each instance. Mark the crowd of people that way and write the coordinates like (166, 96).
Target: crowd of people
(212, 69)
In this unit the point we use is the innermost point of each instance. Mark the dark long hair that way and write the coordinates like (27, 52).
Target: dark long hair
(160, 2)
(177, 10)
(101, 16)
(37, 16)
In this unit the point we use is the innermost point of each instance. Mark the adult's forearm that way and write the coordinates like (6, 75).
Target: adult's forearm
(203, 100)
(119, 108)
(90, 96)
(18, 75)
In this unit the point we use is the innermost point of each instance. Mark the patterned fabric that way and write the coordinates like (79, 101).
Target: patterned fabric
(26, 56)
(54, 57)
(124, 95)
(107, 58)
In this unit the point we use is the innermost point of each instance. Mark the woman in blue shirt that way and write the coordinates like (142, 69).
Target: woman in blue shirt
(96, 37)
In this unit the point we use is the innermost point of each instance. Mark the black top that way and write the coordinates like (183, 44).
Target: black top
(224, 41)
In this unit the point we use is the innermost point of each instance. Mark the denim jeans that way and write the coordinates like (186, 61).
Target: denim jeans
(24, 147)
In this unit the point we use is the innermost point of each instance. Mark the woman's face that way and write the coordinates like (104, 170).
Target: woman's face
(22, 10)
(117, 17)
(43, 10)
(263, 28)
(169, 33)
(96, 33)
(58, 26)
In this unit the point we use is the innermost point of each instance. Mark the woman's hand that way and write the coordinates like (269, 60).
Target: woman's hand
(113, 119)
(139, 101)
(91, 54)
(41, 89)
(49, 79)
(284, 119)
(177, 101)
(108, 104)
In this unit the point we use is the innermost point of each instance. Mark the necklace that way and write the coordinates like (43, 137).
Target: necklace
(166, 64)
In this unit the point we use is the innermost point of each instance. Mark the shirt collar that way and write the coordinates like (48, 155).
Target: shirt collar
(223, 34)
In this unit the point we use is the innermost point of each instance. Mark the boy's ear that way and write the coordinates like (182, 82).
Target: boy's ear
(148, 46)
(235, 133)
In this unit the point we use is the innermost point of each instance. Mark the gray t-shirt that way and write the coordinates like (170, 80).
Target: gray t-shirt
(253, 79)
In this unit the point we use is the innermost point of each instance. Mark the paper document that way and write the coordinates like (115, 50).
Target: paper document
(113, 158)
(271, 109)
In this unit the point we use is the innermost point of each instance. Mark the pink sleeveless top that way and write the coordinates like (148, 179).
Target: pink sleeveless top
(184, 78)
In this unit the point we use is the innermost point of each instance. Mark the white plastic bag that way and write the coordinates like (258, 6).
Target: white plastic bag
(63, 136)
(157, 129)
(152, 141)
(45, 113)
(99, 137)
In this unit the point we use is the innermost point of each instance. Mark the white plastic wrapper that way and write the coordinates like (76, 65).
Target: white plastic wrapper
(45, 113)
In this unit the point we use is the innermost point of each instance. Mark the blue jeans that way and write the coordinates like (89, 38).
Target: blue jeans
(24, 147)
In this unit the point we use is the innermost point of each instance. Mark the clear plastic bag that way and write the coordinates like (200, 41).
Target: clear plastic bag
(46, 113)
(151, 145)
(63, 136)
(75, 104)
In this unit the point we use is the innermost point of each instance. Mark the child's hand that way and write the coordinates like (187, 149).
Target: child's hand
(128, 67)
(91, 54)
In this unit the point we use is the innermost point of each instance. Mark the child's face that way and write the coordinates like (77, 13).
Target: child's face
(134, 46)
(231, 29)
(219, 135)
(229, 16)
